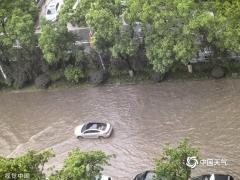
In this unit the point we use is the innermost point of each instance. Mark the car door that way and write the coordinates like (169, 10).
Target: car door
(91, 133)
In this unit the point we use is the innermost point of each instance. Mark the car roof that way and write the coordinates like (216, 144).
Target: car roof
(144, 173)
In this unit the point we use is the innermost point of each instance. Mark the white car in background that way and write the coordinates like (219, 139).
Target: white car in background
(104, 178)
(93, 130)
(52, 11)
(213, 177)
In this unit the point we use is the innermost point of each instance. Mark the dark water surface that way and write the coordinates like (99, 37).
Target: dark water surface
(144, 117)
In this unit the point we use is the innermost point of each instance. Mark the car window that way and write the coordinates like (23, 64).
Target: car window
(57, 6)
(49, 11)
(222, 177)
(100, 126)
(91, 131)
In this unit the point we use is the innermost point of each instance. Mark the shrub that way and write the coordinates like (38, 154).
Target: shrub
(157, 77)
(42, 81)
(218, 72)
(73, 74)
(56, 75)
(98, 77)
(20, 79)
(23, 71)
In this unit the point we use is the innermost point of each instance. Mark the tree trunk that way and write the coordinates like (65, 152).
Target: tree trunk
(190, 69)
(101, 60)
(3, 73)
(131, 70)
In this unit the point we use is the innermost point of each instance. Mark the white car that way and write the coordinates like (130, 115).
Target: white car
(104, 178)
(213, 177)
(52, 11)
(93, 130)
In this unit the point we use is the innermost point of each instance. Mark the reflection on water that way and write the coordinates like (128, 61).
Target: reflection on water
(144, 117)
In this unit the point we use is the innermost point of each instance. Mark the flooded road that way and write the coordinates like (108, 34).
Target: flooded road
(144, 117)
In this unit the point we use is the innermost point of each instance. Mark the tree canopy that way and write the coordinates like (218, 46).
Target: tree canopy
(173, 32)
(172, 164)
(31, 163)
(178, 30)
(55, 41)
(17, 21)
(78, 165)
(82, 165)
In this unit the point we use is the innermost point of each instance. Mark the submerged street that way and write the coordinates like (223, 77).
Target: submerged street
(144, 118)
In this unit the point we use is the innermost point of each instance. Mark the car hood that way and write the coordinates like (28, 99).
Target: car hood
(78, 129)
(108, 127)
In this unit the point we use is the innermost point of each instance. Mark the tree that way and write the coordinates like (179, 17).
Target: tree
(125, 45)
(223, 32)
(78, 165)
(17, 21)
(166, 40)
(55, 41)
(109, 33)
(172, 164)
(179, 30)
(133, 11)
(104, 25)
(75, 12)
(105, 22)
(31, 163)
(82, 165)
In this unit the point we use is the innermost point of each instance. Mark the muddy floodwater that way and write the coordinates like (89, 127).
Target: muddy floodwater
(144, 117)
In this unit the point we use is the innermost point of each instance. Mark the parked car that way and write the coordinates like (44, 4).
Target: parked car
(93, 130)
(213, 177)
(104, 178)
(52, 11)
(147, 175)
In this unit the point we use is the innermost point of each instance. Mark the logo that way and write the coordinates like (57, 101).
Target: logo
(192, 162)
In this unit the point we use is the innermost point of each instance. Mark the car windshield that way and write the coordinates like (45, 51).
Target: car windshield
(99, 126)
(51, 10)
